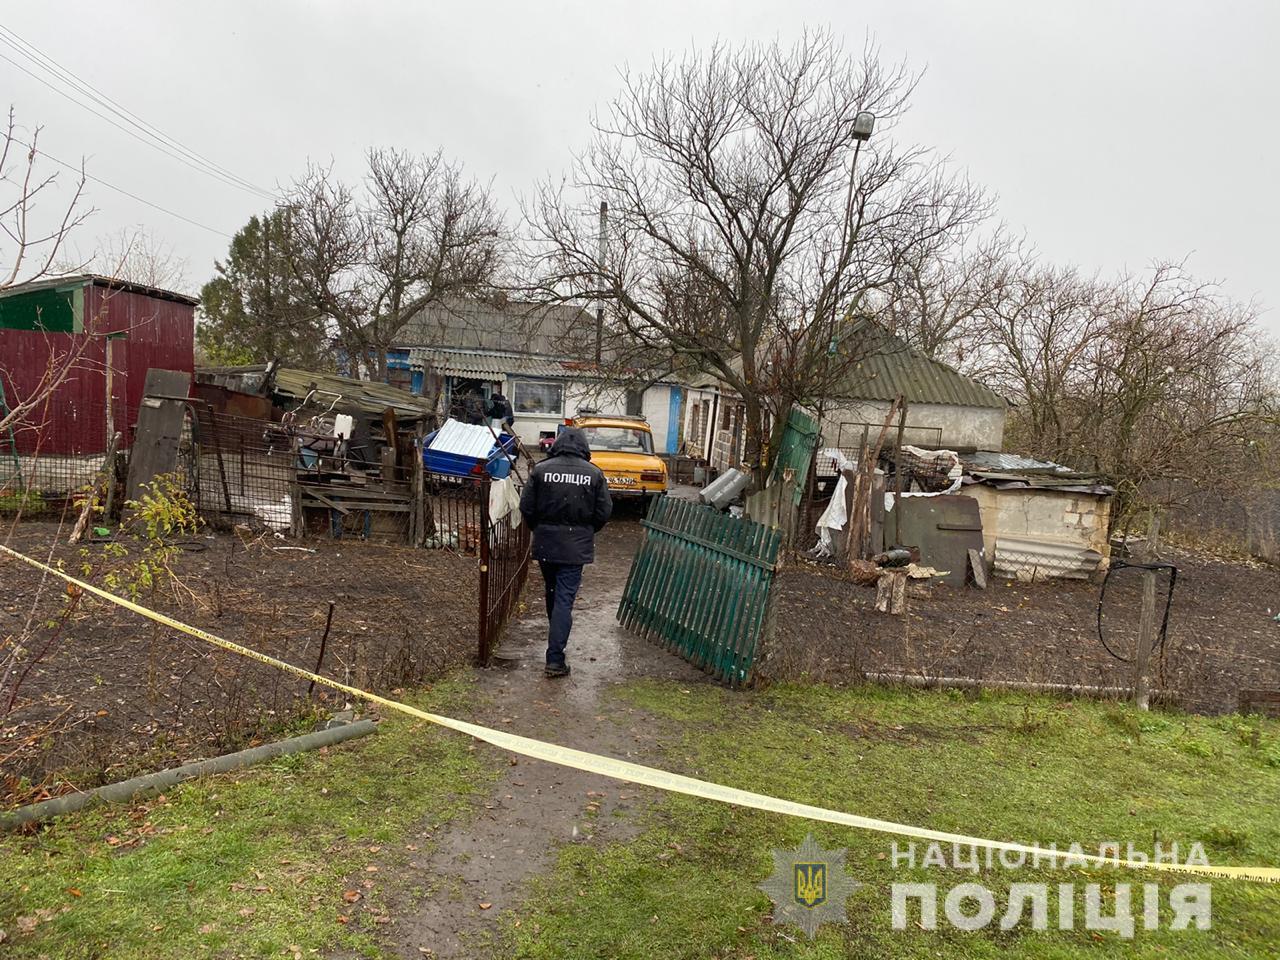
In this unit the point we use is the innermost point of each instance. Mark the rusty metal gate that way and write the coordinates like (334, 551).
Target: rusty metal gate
(504, 565)
(700, 585)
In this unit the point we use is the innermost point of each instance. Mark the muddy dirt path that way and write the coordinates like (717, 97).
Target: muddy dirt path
(479, 868)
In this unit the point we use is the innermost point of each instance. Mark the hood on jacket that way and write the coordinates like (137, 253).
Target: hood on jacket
(571, 442)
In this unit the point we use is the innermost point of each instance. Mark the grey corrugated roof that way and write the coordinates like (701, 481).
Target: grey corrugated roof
(479, 325)
(484, 364)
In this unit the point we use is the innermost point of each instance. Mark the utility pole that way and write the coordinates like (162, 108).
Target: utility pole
(604, 237)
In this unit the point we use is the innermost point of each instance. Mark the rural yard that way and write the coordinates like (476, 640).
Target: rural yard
(713, 485)
(114, 695)
(417, 843)
(1222, 635)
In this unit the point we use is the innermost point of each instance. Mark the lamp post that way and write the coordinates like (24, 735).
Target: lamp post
(864, 122)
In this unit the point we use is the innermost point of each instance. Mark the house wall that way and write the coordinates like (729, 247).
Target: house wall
(656, 407)
(1073, 519)
(935, 424)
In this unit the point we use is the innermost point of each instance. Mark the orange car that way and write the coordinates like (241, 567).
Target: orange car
(622, 447)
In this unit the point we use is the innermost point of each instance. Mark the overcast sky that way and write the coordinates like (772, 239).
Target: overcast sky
(1113, 133)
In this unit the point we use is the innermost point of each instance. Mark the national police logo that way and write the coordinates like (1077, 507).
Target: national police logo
(811, 883)
(809, 886)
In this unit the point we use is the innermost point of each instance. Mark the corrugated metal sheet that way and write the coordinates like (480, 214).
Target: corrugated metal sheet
(160, 333)
(1006, 462)
(464, 439)
(1022, 558)
(485, 365)
(292, 383)
(356, 395)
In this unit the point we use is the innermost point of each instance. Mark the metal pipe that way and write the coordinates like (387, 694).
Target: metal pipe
(969, 683)
(150, 783)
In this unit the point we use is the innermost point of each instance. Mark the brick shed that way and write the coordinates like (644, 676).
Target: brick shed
(1039, 520)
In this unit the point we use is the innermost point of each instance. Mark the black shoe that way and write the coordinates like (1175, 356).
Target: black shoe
(557, 670)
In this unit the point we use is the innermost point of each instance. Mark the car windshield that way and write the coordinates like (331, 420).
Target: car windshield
(619, 439)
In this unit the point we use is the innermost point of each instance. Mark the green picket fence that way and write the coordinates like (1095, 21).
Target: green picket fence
(699, 586)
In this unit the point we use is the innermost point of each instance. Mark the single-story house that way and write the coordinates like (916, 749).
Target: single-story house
(459, 348)
(945, 408)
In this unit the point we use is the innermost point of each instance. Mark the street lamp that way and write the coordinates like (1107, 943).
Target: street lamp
(863, 124)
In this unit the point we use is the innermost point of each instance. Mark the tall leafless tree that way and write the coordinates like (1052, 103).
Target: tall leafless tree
(415, 231)
(750, 227)
(35, 240)
(1158, 381)
(136, 255)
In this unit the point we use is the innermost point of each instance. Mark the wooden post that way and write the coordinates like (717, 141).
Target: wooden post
(108, 476)
(1147, 625)
(897, 473)
(418, 534)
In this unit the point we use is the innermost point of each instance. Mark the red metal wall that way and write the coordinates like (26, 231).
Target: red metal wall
(160, 333)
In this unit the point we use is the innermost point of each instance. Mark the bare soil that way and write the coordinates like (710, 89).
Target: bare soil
(110, 694)
(1221, 636)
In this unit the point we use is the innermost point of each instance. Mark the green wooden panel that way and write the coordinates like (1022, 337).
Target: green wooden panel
(50, 309)
(699, 586)
(795, 450)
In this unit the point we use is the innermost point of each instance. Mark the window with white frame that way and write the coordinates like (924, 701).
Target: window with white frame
(537, 398)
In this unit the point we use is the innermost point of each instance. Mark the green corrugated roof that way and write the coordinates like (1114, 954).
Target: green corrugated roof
(891, 368)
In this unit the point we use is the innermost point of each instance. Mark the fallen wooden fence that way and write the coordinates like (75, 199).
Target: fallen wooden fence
(700, 584)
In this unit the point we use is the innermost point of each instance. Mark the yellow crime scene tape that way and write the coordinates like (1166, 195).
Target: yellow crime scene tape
(638, 773)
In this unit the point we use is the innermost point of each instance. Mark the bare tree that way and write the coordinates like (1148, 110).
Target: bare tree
(416, 231)
(33, 245)
(941, 292)
(1157, 381)
(751, 227)
(137, 256)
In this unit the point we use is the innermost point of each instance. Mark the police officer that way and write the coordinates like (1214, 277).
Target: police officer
(566, 503)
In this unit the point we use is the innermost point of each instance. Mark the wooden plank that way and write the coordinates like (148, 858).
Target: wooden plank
(977, 569)
(329, 503)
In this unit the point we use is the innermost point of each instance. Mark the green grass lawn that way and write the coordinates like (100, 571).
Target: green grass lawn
(250, 864)
(1004, 767)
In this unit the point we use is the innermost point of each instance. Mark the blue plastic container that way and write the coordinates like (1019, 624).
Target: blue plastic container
(497, 464)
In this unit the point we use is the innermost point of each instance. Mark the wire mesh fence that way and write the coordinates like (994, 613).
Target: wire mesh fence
(97, 695)
(46, 461)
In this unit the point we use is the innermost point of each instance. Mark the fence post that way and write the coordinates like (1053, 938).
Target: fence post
(483, 617)
(417, 526)
(1146, 620)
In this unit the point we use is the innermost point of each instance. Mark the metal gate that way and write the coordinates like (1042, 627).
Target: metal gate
(699, 586)
(504, 565)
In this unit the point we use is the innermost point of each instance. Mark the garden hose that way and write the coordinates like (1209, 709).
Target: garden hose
(1168, 603)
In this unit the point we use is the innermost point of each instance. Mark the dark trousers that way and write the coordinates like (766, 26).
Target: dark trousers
(562, 581)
